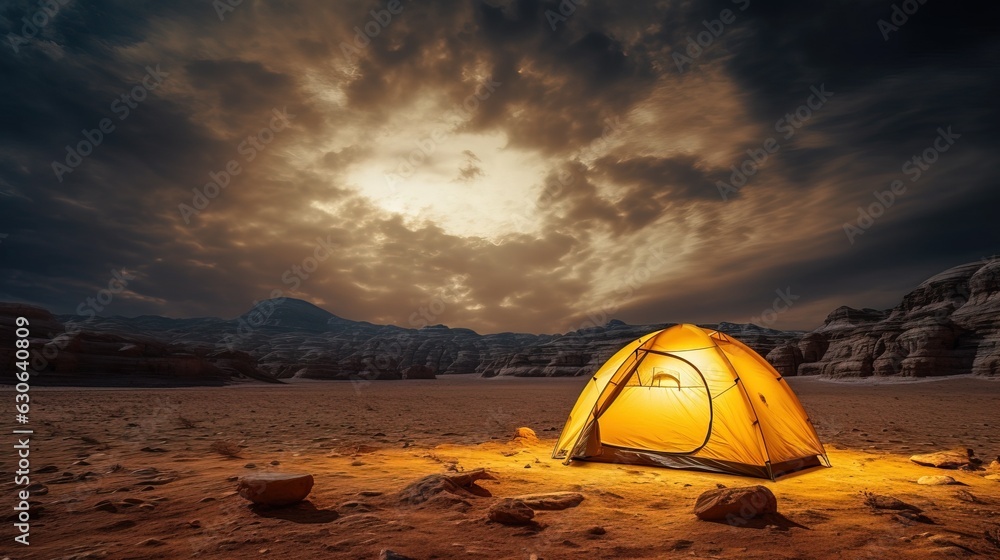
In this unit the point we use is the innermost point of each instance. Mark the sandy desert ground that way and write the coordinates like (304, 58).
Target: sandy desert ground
(132, 474)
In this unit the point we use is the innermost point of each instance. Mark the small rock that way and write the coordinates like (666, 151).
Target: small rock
(160, 480)
(107, 506)
(387, 554)
(937, 480)
(48, 469)
(746, 503)
(148, 449)
(597, 530)
(275, 489)
(445, 489)
(967, 496)
(275, 463)
(953, 459)
(879, 501)
(249, 466)
(681, 544)
(511, 512)
(152, 542)
(119, 525)
(527, 466)
(194, 524)
(527, 435)
(551, 501)
(994, 477)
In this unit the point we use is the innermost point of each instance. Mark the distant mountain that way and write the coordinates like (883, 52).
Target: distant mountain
(949, 325)
(290, 338)
(292, 314)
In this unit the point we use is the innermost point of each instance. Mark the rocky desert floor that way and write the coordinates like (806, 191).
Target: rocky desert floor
(122, 473)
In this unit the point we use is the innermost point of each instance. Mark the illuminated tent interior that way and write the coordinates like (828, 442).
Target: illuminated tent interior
(692, 398)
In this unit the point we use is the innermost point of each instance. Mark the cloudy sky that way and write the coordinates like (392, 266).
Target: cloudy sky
(496, 165)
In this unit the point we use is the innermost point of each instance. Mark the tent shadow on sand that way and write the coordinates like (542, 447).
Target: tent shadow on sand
(303, 512)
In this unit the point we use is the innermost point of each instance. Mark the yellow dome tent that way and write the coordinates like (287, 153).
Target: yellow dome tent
(691, 398)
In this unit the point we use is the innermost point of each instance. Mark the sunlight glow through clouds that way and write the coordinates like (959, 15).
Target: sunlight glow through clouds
(488, 205)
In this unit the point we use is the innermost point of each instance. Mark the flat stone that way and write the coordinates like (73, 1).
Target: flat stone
(743, 503)
(936, 480)
(551, 501)
(953, 459)
(880, 501)
(275, 489)
(387, 554)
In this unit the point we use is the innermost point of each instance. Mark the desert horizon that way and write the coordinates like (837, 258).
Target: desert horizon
(152, 474)
(499, 279)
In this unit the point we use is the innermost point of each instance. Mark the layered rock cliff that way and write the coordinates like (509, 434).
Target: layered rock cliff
(948, 325)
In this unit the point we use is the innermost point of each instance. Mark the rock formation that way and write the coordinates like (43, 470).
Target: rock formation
(948, 325)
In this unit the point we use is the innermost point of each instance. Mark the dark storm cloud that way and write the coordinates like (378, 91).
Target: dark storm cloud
(557, 88)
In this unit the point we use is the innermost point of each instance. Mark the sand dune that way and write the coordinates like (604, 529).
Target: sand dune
(132, 474)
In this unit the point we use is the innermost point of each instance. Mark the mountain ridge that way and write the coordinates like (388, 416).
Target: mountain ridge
(946, 325)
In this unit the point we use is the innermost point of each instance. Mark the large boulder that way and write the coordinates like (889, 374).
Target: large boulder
(727, 504)
(275, 489)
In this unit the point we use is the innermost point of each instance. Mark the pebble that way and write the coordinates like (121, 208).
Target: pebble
(936, 480)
